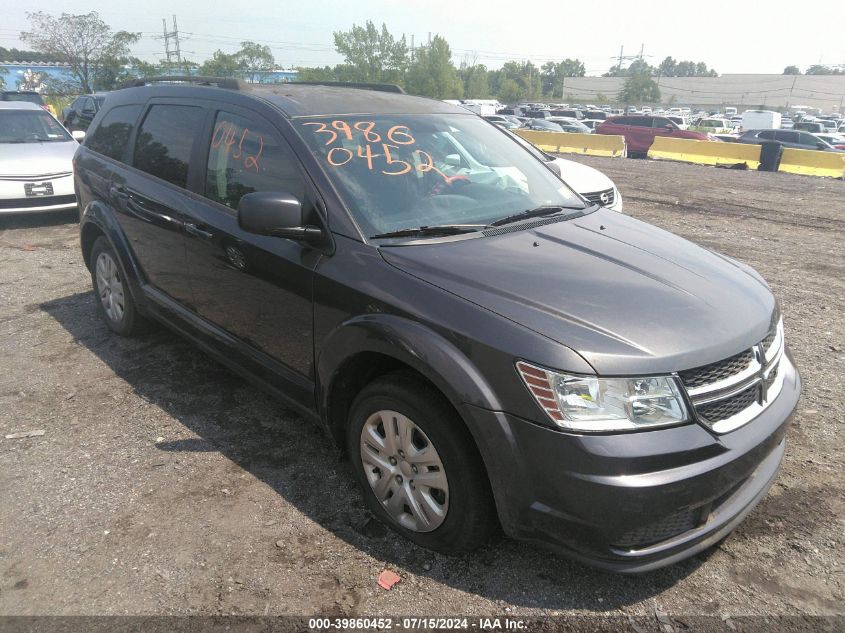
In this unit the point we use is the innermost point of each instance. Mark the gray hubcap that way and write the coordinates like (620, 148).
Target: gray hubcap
(404, 471)
(110, 287)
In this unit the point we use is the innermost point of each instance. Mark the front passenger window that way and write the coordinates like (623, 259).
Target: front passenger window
(246, 156)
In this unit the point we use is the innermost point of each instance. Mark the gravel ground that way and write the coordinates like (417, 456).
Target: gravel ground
(164, 484)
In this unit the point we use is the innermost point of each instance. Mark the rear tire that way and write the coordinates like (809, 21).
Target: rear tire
(418, 467)
(114, 298)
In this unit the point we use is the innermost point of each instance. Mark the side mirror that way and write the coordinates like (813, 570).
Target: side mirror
(821, 145)
(554, 167)
(453, 159)
(78, 135)
(670, 127)
(276, 214)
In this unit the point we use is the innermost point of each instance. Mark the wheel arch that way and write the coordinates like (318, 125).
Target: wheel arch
(97, 220)
(365, 347)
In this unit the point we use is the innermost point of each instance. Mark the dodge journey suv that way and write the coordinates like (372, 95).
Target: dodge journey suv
(488, 348)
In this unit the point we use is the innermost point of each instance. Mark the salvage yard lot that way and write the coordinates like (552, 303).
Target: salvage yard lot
(164, 484)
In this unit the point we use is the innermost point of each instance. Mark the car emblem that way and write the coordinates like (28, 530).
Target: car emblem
(605, 198)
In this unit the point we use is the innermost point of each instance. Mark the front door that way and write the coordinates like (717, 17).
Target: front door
(257, 288)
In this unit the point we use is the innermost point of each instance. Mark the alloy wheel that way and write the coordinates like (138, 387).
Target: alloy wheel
(110, 287)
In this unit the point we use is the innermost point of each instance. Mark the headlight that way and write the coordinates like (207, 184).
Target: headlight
(588, 403)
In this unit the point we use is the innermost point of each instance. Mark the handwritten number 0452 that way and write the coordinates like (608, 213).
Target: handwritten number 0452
(225, 134)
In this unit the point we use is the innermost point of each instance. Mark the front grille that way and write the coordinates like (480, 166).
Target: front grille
(38, 201)
(731, 392)
(723, 409)
(714, 372)
(772, 376)
(674, 524)
(596, 197)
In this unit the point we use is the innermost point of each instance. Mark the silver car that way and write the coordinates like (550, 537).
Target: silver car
(36, 172)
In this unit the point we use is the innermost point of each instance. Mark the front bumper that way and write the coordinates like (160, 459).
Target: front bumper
(631, 502)
(13, 198)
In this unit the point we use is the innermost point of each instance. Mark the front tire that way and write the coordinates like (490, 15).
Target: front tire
(418, 467)
(114, 298)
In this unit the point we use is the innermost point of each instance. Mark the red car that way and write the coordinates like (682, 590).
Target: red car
(639, 131)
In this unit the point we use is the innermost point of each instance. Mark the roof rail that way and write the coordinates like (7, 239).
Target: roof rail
(228, 83)
(355, 84)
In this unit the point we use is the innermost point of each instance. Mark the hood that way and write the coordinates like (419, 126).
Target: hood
(36, 159)
(628, 297)
(582, 178)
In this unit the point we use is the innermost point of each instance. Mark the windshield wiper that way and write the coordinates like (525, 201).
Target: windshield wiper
(431, 231)
(534, 213)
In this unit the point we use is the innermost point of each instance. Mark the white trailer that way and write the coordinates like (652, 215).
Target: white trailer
(760, 120)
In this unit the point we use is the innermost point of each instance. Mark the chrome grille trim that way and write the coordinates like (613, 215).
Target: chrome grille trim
(61, 174)
(762, 375)
(595, 196)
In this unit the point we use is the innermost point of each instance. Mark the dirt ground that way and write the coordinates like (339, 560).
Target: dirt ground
(164, 484)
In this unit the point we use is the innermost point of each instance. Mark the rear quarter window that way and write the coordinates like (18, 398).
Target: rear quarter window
(111, 136)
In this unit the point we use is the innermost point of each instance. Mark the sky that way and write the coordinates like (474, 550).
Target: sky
(732, 37)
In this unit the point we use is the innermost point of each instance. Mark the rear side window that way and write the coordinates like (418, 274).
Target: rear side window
(246, 156)
(112, 134)
(165, 141)
(788, 137)
(766, 134)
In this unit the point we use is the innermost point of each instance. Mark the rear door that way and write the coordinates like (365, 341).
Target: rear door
(150, 196)
(639, 133)
(789, 138)
(257, 288)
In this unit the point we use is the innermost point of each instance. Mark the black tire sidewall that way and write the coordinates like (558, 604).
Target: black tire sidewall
(468, 521)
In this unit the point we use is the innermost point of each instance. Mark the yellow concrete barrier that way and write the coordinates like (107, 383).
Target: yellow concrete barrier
(812, 163)
(566, 143)
(688, 150)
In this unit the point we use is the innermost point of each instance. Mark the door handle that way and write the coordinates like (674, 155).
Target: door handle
(118, 191)
(196, 231)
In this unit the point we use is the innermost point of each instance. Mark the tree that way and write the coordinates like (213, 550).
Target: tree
(84, 42)
(222, 65)
(821, 69)
(509, 91)
(791, 70)
(18, 55)
(667, 67)
(374, 55)
(527, 76)
(555, 74)
(255, 59)
(476, 80)
(640, 89)
(433, 74)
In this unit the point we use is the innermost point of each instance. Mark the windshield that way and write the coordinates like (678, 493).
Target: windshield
(406, 171)
(30, 126)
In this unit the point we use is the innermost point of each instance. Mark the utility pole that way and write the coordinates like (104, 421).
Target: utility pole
(174, 52)
(619, 63)
(412, 48)
(791, 88)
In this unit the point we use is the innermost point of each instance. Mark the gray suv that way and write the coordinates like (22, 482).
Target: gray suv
(487, 347)
(788, 138)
